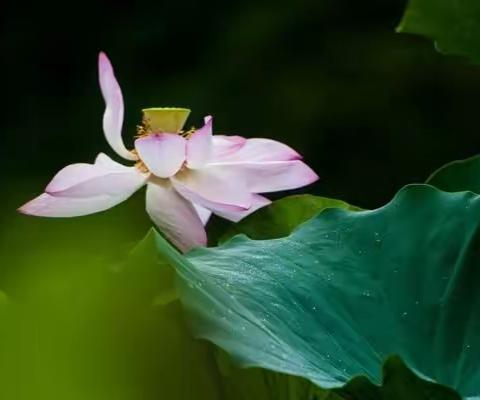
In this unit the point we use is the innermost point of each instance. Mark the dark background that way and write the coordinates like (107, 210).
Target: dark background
(371, 110)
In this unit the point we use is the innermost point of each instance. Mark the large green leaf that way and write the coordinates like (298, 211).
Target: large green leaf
(454, 25)
(398, 383)
(458, 176)
(238, 383)
(82, 316)
(283, 216)
(184, 368)
(348, 289)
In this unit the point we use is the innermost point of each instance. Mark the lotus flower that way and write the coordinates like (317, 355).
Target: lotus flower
(189, 174)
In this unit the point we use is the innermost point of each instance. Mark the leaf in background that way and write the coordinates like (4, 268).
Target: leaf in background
(346, 290)
(282, 216)
(454, 25)
(458, 176)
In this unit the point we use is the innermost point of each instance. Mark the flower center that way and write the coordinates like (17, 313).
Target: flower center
(145, 129)
(142, 131)
(161, 120)
(140, 166)
(164, 120)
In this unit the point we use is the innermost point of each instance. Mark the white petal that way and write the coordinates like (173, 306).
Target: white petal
(175, 216)
(235, 216)
(82, 189)
(264, 177)
(106, 162)
(211, 189)
(203, 213)
(224, 147)
(46, 205)
(258, 150)
(104, 178)
(114, 109)
(163, 154)
(199, 145)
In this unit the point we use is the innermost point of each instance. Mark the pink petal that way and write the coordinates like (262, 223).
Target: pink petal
(82, 189)
(113, 116)
(175, 216)
(225, 146)
(264, 177)
(211, 189)
(163, 154)
(199, 145)
(258, 150)
(104, 178)
(106, 162)
(203, 213)
(235, 216)
(46, 205)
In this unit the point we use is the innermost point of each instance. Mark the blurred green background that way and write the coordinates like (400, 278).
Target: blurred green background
(371, 110)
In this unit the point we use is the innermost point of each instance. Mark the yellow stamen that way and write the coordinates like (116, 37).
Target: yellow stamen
(140, 165)
(161, 120)
(187, 134)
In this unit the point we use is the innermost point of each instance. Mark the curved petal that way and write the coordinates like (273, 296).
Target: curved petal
(224, 146)
(104, 178)
(264, 177)
(262, 150)
(47, 205)
(113, 116)
(211, 189)
(199, 145)
(104, 161)
(203, 213)
(175, 216)
(163, 153)
(235, 216)
(82, 189)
